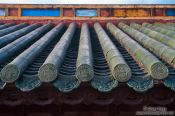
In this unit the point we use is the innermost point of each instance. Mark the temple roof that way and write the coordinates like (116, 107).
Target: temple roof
(28, 46)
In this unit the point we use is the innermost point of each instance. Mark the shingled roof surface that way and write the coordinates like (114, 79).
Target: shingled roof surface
(139, 56)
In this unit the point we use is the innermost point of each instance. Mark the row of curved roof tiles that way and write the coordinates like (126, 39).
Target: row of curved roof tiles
(138, 55)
